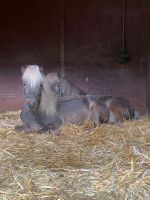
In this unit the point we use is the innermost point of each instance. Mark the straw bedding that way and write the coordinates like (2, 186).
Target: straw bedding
(84, 163)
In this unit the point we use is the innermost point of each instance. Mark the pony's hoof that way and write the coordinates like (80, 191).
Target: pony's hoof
(56, 132)
(43, 130)
(19, 128)
(22, 129)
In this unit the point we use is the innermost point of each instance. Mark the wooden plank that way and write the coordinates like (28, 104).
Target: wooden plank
(148, 88)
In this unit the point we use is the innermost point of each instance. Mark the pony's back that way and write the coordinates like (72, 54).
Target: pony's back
(69, 88)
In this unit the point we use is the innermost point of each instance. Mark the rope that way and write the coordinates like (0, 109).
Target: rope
(62, 49)
(123, 24)
(123, 56)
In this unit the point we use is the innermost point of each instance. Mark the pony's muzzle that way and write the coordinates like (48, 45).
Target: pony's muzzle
(31, 102)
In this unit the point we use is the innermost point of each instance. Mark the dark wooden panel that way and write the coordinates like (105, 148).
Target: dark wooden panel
(93, 32)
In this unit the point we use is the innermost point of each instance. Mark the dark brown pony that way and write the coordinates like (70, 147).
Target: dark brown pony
(43, 109)
(119, 107)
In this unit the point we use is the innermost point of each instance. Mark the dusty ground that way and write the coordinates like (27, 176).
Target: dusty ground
(85, 163)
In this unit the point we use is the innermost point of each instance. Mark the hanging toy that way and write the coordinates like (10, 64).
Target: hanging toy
(123, 55)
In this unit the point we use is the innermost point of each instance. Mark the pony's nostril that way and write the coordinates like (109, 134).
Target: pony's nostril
(29, 101)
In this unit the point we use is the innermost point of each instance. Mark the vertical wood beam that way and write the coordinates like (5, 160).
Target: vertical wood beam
(62, 41)
(148, 88)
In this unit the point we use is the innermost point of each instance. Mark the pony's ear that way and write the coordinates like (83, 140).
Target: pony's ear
(41, 69)
(60, 75)
(23, 68)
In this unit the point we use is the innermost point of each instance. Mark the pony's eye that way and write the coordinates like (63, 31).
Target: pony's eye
(58, 85)
(24, 85)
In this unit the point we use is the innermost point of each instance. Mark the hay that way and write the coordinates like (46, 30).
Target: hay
(84, 163)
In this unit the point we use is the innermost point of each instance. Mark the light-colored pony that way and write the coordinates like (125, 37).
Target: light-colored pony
(43, 108)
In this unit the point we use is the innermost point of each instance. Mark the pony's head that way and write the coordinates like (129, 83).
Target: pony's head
(54, 83)
(32, 78)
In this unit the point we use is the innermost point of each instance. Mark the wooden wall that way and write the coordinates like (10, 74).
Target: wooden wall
(30, 34)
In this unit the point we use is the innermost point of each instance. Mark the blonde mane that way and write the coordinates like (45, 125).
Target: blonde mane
(49, 100)
(32, 75)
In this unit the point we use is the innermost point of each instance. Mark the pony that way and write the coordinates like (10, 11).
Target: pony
(119, 107)
(43, 108)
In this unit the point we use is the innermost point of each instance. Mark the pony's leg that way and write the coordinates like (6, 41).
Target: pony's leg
(53, 128)
(35, 128)
(115, 117)
(99, 112)
(112, 118)
(30, 122)
(137, 114)
(23, 129)
(95, 118)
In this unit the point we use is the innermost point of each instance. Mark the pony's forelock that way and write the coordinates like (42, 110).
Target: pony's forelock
(32, 76)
